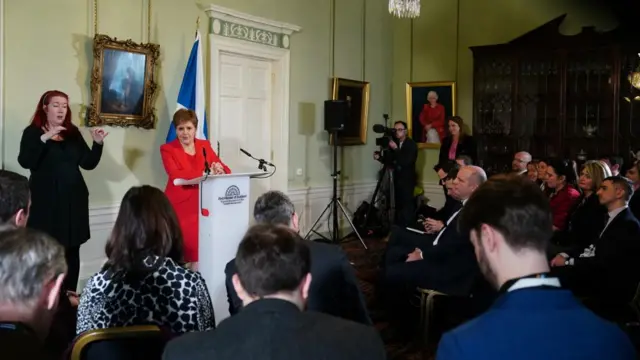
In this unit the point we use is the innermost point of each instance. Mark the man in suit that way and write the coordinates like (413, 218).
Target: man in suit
(520, 161)
(15, 202)
(607, 271)
(402, 156)
(509, 222)
(273, 280)
(442, 261)
(32, 271)
(334, 289)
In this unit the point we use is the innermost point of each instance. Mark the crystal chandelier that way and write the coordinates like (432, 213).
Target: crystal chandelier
(404, 8)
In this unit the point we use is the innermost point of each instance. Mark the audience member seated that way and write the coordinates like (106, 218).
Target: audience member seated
(143, 281)
(532, 172)
(442, 261)
(520, 162)
(614, 162)
(587, 219)
(607, 271)
(15, 201)
(464, 160)
(273, 280)
(542, 176)
(633, 174)
(509, 223)
(334, 289)
(451, 205)
(32, 270)
(561, 177)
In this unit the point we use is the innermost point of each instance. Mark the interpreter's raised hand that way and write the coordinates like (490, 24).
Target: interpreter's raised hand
(50, 133)
(98, 135)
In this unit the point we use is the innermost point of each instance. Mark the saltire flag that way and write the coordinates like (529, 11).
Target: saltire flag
(191, 95)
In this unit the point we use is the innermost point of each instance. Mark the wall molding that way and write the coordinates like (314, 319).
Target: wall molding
(309, 202)
(234, 24)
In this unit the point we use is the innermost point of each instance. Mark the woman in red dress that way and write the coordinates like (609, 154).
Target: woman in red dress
(432, 116)
(184, 158)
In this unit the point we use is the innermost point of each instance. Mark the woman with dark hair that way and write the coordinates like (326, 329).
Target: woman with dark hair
(562, 179)
(457, 142)
(143, 280)
(53, 149)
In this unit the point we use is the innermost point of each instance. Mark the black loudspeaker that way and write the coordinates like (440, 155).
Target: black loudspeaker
(336, 113)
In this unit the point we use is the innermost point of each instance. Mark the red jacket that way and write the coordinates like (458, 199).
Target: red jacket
(177, 165)
(184, 199)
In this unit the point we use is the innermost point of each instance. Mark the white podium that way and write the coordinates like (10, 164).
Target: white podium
(224, 214)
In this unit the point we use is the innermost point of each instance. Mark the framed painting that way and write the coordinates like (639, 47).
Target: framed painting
(356, 94)
(429, 105)
(123, 85)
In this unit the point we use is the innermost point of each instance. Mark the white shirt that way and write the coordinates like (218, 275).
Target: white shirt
(534, 282)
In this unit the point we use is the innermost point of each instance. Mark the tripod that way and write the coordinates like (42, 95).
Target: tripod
(335, 204)
(389, 201)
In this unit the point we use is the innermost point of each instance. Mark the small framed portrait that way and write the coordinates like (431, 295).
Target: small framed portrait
(429, 105)
(123, 86)
(356, 94)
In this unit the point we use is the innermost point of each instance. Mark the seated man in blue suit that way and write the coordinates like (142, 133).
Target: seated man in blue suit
(334, 289)
(509, 222)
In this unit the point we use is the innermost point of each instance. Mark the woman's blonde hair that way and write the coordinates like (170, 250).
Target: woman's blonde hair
(597, 171)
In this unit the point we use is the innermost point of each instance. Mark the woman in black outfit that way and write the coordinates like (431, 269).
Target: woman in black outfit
(53, 149)
(457, 142)
(587, 219)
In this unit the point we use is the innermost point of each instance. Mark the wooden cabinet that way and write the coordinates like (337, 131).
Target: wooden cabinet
(555, 95)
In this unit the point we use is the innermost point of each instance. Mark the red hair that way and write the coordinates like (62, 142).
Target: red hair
(39, 118)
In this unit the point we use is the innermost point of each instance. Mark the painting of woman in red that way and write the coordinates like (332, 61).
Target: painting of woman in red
(432, 120)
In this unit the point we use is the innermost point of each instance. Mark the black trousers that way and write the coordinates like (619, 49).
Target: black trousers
(72, 255)
(405, 203)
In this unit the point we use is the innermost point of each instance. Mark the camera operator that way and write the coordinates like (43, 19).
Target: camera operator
(401, 156)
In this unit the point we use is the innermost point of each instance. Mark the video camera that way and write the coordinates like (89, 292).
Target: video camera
(388, 133)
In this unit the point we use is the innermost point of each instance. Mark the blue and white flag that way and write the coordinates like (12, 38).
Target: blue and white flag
(191, 95)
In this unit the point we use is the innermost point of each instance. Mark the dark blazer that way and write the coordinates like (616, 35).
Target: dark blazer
(533, 324)
(466, 146)
(451, 205)
(59, 194)
(334, 289)
(614, 272)
(273, 329)
(450, 266)
(634, 204)
(19, 342)
(586, 222)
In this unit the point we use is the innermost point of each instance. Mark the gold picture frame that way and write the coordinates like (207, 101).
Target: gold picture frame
(356, 93)
(123, 83)
(430, 137)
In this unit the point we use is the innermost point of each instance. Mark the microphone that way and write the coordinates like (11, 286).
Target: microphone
(206, 163)
(246, 153)
(379, 129)
(261, 162)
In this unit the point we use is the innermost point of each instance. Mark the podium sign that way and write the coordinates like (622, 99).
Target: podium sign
(223, 220)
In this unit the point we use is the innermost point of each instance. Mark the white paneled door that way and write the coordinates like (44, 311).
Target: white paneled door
(245, 100)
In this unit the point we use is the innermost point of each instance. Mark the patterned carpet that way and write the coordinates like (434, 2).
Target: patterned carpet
(365, 262)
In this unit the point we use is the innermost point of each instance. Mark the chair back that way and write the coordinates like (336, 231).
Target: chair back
(123, 343)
